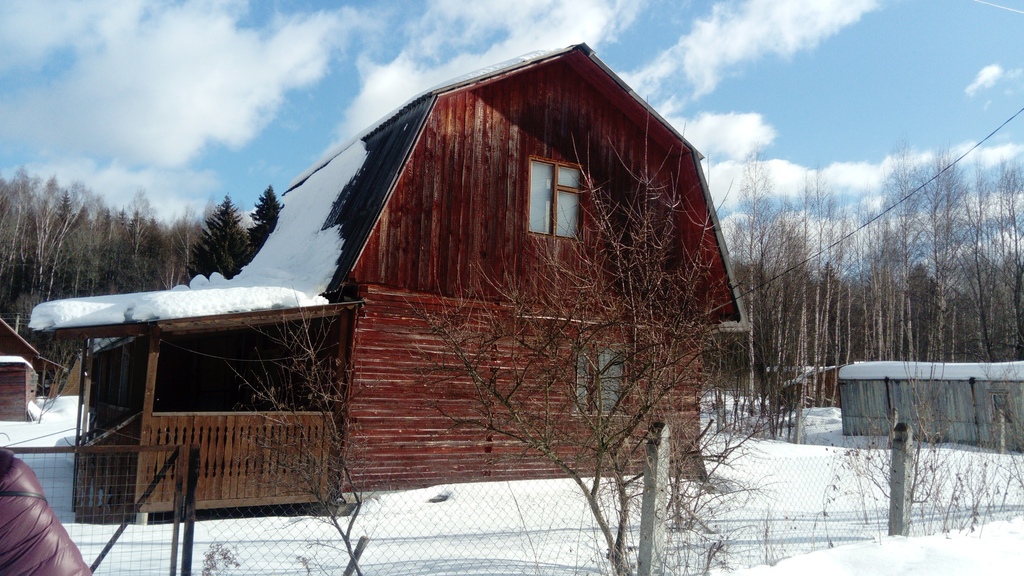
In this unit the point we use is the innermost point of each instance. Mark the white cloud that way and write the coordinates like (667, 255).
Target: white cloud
(735, 33)
(986, 78)
(991, 156)
(467, 36)
(731, 136)
(789, 180)
(862, 182)
(155, 83)
(118, 184)
(858, 177)
(724, 181)
(31, 31)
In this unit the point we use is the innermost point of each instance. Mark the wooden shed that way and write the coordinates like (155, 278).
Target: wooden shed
(433, 206)
(22, 372)
(976, 404)
(17, 388)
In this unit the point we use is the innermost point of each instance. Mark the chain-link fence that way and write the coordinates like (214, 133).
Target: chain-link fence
(774, 499)
(101, 499)
(768, 501)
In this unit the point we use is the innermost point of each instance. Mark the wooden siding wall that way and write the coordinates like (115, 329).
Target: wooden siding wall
(459, 213)
(17, 389)
(399, 426)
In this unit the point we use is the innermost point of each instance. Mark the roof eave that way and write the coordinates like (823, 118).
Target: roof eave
(202, 323)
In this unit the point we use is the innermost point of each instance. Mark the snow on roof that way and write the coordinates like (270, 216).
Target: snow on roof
(14, 360)
(447, 85)
(927, 371)
(292, 269)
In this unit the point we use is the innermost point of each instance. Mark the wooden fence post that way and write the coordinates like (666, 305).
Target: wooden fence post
(901, 480)
(192, 481)
(651, 556)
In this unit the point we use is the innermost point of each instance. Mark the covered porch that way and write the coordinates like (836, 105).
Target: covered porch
(262, 394)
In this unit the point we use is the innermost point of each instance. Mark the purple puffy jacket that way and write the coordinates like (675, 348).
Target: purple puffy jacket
(32, 540)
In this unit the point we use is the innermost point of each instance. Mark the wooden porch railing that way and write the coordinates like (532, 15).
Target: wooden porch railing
(247, 458)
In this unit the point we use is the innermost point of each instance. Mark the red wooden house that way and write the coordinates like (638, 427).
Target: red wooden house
(469, 180)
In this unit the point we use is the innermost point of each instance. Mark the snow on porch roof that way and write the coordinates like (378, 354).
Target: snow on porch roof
(933, 372)
(291, 270)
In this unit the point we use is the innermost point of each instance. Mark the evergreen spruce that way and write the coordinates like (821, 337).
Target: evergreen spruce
(224, 244)
(264, 219)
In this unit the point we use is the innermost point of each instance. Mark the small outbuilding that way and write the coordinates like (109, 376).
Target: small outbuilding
(17, 388)
(22, 372)
(977, 404)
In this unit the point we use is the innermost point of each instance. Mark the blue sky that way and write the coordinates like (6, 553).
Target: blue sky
(192, 100)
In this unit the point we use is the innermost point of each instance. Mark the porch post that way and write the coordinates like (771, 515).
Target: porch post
(145, 436)
(152, 357)
(84, 391)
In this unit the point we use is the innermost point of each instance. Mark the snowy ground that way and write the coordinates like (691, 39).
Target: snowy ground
(797, 510)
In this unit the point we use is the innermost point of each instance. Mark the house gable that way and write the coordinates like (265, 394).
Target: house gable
(460, 205)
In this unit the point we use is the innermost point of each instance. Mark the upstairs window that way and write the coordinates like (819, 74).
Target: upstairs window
(554, 199)
(598, 381)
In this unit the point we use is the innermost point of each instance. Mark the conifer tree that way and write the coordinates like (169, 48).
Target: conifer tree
(224, 244)
(264, 219)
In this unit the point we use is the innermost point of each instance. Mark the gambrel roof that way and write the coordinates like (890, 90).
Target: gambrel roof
(307, 259)
(388, 145)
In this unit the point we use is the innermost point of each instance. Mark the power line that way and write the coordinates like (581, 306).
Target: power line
(1000, 7)
(225, 358)
(885, 211)
(39, 437)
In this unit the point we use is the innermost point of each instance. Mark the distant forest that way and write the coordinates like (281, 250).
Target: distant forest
(62, 240)
(932, 270)
(928, 268)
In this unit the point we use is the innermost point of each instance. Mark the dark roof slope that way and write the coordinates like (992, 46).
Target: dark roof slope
(361, 200)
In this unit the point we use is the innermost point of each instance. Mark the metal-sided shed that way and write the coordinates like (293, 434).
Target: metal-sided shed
(978, 404)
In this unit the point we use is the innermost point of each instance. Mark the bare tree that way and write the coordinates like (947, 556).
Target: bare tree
(184, 233)
(300, 386)
(1010, 247)
(575, 362)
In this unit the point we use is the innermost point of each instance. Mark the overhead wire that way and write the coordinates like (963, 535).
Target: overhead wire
(27, 440)
(225, 358)
(884, 211)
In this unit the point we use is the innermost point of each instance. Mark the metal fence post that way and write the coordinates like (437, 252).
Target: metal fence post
(651, 557)
(901, 480)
